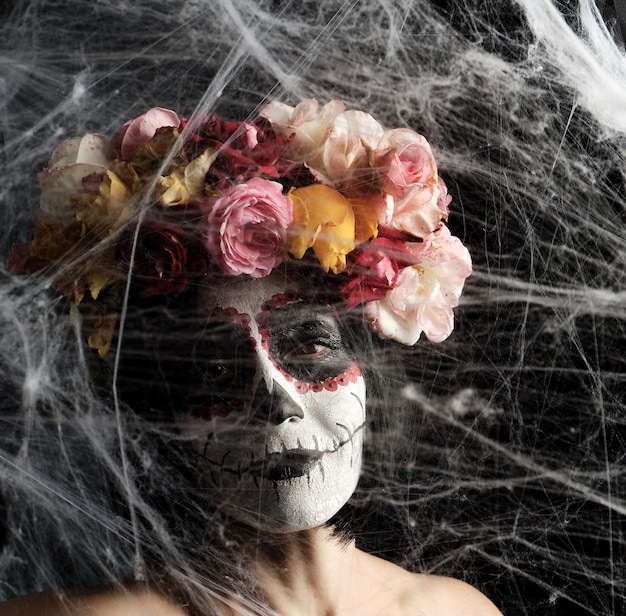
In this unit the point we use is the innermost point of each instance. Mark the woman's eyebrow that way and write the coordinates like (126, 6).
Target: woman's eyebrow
(305, 322)
(221, 331)
(305, 312)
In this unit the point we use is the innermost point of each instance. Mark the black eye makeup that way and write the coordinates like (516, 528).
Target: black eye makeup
(307, 341)
(304, 341)
(222, 366)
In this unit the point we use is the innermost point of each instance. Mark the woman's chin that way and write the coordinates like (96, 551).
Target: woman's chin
(287, 505)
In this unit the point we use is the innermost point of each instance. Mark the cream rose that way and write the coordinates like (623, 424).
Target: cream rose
(141, 130)
(329, 139)
(76, 166)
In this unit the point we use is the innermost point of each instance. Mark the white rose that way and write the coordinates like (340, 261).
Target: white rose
(76, 166)
(330, 140)
(425, 294)
(308, 124)
(348, 138)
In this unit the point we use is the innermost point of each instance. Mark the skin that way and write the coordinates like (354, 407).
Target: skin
(328, 578)
(323, 579)
(280, 441)
(301, 568)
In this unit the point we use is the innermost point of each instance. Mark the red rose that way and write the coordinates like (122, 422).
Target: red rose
(166, 258)
(373, 270)
(245, 149)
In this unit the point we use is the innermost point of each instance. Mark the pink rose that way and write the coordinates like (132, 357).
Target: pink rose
(425, 293)
(349, 138)
(136, 133)
(415, 199)
(416, 213)
(404, 158)
(247, 227)
(444, 199)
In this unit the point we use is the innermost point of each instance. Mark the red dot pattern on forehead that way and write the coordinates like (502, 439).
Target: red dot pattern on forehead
(230, 315)
(262, 319)
(280, 299)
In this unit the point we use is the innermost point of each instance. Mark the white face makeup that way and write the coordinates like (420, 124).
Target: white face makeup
(279, 425)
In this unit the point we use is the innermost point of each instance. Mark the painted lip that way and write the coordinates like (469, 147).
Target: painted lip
(286, 465)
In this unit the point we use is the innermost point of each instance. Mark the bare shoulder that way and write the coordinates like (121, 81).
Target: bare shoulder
(416, 594)
(442, 596)
(132, 602)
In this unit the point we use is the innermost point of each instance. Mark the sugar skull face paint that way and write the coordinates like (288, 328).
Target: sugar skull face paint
(279, 419)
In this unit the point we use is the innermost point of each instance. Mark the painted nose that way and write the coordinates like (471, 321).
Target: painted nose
(273, 404)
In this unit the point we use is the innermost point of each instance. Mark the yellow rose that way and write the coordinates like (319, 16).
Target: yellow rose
(323, 219)
(113, 206)
(151, 154)
(366, 219)
(187, 182)
(91, 274)
(52, 240)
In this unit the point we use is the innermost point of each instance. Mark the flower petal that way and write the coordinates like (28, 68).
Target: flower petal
(324, 221)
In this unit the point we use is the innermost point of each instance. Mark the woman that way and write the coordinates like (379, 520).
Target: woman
(252, 254)
(498, 457)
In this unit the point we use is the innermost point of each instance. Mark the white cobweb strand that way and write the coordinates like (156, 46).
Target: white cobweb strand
(502, 460)
(594, 66)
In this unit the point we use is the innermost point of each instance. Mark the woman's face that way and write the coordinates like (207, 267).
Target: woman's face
(279, 418)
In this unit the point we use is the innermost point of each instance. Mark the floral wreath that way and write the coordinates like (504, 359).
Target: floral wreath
(295, 182)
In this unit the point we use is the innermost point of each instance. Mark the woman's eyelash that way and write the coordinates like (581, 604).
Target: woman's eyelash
(307, 349)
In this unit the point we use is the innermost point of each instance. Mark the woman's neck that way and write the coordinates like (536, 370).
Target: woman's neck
(310, 572)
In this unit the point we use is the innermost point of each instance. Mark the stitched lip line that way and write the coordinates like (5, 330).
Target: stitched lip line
(286, 465)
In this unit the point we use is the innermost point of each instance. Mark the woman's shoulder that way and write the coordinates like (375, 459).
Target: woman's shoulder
(443, 595)
(405, 594)
(418, 594)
